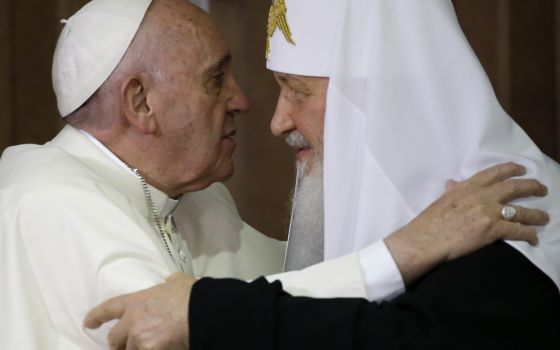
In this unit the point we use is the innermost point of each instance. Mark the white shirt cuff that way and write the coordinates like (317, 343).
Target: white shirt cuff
(337, 278)
(383, 280)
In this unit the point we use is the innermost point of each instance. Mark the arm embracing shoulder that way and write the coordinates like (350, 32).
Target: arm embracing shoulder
(492, 299)
(370, 273)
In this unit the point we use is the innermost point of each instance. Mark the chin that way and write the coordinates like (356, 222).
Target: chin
(221, 172)
(204, 181)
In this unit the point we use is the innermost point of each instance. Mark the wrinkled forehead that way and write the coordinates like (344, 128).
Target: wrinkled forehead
(186, 34)
(178, 16)
(182, 21)
(301, 82)
(301, 36)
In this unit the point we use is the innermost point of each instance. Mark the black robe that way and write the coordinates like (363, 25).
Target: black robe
(492, 299)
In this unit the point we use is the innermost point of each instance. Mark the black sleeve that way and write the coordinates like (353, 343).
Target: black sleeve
(492, 299)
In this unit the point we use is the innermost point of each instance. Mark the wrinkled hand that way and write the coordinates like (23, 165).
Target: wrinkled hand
(155, 318)
(465, 218)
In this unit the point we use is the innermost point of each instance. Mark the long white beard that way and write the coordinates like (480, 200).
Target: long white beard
(306, 241)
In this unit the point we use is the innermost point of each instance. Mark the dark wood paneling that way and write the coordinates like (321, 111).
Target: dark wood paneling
(486, 25)
(5, 72)
(65, 8)
(557, 20)
(34, 30)
(533, 70)
(516, 43)
(502, 76)
(264, 172)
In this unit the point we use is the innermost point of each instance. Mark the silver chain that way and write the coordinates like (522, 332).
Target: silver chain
(152, 209)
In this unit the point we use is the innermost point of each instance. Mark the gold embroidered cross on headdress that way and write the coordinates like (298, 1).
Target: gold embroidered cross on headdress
(277, 19)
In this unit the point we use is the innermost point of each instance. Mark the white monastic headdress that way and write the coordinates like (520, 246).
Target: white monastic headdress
(301, 36)
(90, 47)
(409, 106)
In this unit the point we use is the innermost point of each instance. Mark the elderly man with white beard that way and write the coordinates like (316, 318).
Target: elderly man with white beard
(307, 221)
(408, 106)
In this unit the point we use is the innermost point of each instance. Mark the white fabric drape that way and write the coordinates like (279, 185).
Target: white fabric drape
(409, 106)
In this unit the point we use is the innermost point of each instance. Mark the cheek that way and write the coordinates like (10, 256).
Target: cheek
(311, 127)
(206, 126)
(200, 131)
(209, 141)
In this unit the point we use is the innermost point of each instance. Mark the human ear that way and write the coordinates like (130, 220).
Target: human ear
(138, 109)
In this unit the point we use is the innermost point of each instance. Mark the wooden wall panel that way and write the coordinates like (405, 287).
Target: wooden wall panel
(502, 77)
(486, 25)
(5, 73)
(516, 43)
(34, 116)
(65, 9)
(557, 43)
(28, 32)
(533, 71)
(264, 173)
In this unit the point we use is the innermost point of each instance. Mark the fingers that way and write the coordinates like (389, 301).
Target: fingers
(516, 231)
(109, 310)
(131, 346)
(520, 229)
(509, 190)
(528, 216)
(118, 335)
(497, 173)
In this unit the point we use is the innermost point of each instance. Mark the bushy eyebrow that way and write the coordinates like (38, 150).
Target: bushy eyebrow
(219, 64)
(292, 82)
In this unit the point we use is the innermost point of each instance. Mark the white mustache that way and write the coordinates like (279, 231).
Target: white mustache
(297, 140)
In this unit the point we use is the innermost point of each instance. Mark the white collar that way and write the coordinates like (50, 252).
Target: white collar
(164, 204)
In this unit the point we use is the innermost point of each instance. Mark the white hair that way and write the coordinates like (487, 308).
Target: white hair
(307, 226)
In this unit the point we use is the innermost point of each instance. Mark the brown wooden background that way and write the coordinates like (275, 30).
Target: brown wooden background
(518, 42)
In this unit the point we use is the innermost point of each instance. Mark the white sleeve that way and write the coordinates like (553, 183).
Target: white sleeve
(382, 277)
(83, 249)
(370, 273)
(340, 277)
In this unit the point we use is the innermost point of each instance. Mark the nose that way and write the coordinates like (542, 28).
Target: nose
(282, 121)
(238, 102)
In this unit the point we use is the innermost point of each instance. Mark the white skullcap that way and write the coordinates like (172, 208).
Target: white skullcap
(312, 24)
(90, 47)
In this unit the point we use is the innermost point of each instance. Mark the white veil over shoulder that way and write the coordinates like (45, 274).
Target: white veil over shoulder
(409, 106)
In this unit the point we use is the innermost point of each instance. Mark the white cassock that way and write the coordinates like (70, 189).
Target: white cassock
(75, 231)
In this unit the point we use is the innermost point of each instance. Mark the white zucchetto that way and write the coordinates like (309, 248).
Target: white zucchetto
(90, 47)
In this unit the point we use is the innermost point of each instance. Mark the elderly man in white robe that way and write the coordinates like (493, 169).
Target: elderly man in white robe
(370, 192)
(129, 191)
